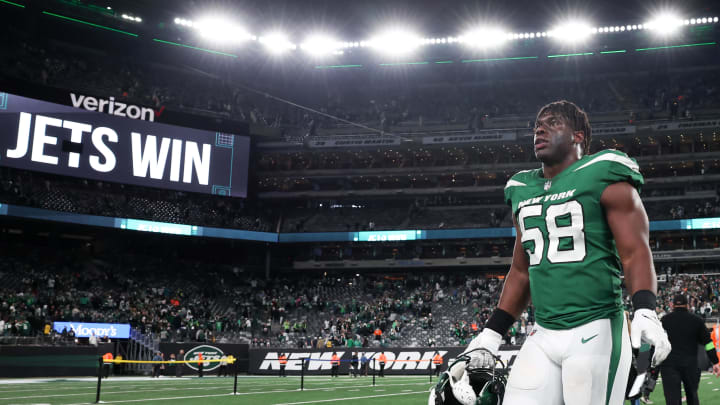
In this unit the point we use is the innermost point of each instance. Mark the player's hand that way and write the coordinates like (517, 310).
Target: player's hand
(716, 369)
(488, 339)
(646, 327)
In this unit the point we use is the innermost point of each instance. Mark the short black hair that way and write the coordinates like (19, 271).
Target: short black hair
(575, 116)
(680, 299)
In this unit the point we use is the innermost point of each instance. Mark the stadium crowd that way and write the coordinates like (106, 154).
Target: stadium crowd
(417, 215)
(432, 212)
(304, 312)
(120, 200)
(454, 157)
(703, 293)
(159, 298)
(36, 291)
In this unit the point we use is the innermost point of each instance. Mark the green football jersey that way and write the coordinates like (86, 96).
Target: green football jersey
(574, 265)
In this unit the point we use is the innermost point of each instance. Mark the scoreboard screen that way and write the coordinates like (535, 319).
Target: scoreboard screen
(59, 139)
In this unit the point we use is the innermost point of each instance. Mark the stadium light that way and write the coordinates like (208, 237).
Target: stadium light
(320, 45)
(396, 42)
(664, 24)
(401, 41)
(219, 30)
(486, 38)
(132, 18)
(575, 31)
(184, 22)
(276, 43)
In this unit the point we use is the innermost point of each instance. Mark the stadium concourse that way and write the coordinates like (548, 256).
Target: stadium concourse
(241, 213)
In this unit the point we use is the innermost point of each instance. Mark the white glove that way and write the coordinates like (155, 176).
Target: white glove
(488, 339)
(646, 327)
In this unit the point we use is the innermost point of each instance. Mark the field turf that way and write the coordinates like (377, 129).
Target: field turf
(251, 391)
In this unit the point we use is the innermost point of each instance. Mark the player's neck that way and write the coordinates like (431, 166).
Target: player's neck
(552, 170)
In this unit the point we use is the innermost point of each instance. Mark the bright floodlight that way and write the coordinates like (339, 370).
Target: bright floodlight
(571, 32)
(276, 43)
(220, 30)
(396, 42)
(665, 24)
(319, 45)
(485, 38)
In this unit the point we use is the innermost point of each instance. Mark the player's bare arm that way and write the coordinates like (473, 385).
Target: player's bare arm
(628, 221)
(629, 224)
(516, 290)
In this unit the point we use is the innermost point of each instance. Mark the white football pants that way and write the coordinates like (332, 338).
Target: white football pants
(586, 365)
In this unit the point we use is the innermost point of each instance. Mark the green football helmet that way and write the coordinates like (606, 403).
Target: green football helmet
(482, 383)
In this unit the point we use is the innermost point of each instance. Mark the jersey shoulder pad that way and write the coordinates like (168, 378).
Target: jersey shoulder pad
(611, 166)
(519, 179)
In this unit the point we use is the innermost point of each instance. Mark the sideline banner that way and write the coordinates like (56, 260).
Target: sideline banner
(86, 329)
(53, 138)
(615, 130)
(481, 136)
(401, 361)
(348, 142)
(51, 361)
(687, 125)
(209, 351)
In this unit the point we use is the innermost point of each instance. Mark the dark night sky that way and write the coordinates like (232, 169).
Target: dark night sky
(358, 19)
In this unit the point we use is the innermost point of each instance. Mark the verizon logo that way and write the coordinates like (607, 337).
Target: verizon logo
(112, 107)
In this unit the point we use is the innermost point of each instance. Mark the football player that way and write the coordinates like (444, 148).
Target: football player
(580, 224)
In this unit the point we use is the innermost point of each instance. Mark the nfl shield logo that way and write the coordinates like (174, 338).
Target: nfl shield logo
(548, 184)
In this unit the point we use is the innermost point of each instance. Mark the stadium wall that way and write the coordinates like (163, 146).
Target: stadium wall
(51, 361)
(401, 361)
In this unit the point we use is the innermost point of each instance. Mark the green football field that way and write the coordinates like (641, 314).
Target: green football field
(251, 391)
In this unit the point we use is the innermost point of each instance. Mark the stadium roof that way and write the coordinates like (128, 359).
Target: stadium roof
(358, 18)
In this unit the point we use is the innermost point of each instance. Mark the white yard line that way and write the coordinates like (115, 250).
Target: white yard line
(183, 380)
(251, 393)
(200, 396)
(91, 390)
(351, 398)
(148, 384)
(156, 399)
(200, 388)
(111, 386)
(116, 392)
(208, 384)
